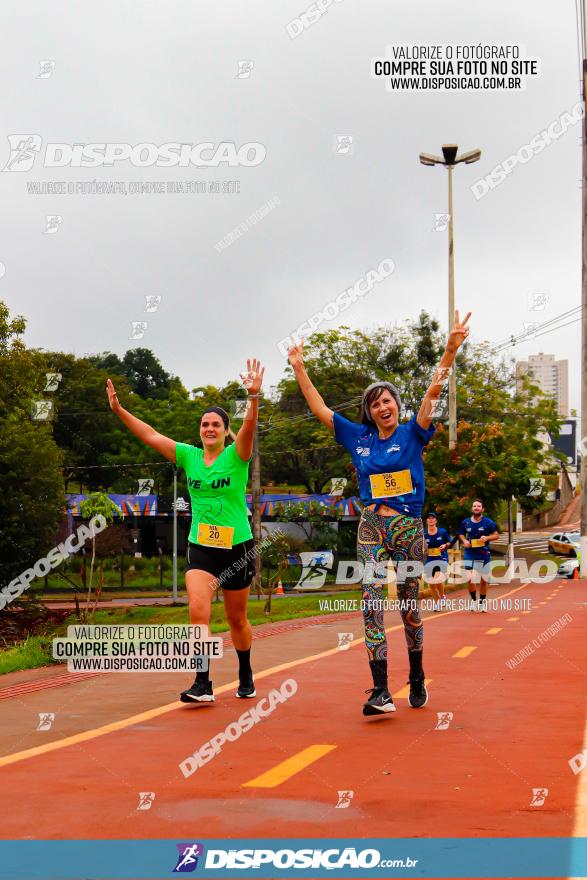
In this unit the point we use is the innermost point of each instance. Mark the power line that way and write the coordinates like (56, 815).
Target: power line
(544, 333)
(529, 334)
(550, 321)
(300, 418)
(108, 467)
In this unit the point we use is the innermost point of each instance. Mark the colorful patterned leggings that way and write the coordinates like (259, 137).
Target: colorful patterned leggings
(381, 538)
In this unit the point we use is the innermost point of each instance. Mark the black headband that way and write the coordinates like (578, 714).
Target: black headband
(219, 412)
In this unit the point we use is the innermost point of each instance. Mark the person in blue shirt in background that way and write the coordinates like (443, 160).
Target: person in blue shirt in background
(438, 542)
(387, 455)
(475, 533)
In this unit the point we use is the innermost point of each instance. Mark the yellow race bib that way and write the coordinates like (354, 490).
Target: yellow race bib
(215, 536)
(477, 542)
(390, 485)
(434, 551)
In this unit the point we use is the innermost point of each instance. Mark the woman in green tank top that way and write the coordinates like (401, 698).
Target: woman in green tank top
(220, 551)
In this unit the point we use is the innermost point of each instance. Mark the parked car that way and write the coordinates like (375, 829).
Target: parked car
(568, 568)
(565, 544)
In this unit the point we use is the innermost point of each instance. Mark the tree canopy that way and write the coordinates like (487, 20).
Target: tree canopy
(499, 447)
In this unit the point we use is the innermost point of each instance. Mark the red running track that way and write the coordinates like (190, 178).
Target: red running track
(512, 730)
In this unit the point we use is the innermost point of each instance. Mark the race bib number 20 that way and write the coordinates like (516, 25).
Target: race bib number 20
(215, 536)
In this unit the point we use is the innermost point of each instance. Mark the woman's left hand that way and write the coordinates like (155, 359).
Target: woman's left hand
(459, 332)
(253, 378)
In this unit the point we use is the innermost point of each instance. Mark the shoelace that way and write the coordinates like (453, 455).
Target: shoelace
(372, 690)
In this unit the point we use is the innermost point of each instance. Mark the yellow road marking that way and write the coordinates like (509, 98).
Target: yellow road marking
(404, 692)
(512, 619)
(170, 707)
(580, 829)
(288, 768)
(493, 631)
(464, 652)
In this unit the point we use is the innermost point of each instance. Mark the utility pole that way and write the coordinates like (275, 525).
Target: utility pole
(256, 505)
(583, 567)
(510, 556)
(452, 379)
(174, 533)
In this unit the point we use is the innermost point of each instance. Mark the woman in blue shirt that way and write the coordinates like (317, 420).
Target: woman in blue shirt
(387, 455)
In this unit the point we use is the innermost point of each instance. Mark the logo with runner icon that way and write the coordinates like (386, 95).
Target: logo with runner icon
(187, 860)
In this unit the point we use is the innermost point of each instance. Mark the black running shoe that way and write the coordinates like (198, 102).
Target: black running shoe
(246, 687)
(199, 692)
(418, 695)
(379, 701)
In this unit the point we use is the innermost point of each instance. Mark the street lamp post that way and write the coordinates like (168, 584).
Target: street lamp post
(583, 421)
(449, 160)
(174, 535)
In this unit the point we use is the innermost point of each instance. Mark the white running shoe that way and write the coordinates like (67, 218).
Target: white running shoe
(483, 607)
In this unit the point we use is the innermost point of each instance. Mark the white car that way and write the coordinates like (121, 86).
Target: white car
(569, 566)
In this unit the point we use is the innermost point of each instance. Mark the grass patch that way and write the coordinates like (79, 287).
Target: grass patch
(34, 652)
(286, 608)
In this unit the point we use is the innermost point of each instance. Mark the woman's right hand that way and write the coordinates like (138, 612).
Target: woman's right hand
(112, 396)
(295, 354)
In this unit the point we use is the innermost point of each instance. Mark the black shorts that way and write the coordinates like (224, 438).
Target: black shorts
(234, 568)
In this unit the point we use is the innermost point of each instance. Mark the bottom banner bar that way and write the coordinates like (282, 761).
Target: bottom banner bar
(340, 858)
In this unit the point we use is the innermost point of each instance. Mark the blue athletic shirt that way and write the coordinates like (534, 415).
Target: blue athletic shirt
(471, 530)
(401, 451)
(441, 537)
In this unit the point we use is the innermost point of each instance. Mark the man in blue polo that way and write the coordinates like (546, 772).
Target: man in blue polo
(475, 533)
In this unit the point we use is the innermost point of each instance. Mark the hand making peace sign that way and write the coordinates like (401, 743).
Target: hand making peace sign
(459, 332)
(295, 353)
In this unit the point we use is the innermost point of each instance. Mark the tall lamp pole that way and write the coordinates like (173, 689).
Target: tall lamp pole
(174, 534)
(256, 506)
(449, 160)
(582, 22)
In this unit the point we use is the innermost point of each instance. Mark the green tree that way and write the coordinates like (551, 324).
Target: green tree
(142, 369)
(274, 552)
(295, 447)
(500, 447)
(32, 500)
(82, 425)
(146, 376)
(97, 504)
(315, 521)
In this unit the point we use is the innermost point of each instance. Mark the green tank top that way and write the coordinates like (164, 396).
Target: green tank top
(217, 492)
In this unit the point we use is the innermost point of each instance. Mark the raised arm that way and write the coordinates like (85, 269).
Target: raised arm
(140, 429)
(456, 337)
(252, 380)
(313, 398)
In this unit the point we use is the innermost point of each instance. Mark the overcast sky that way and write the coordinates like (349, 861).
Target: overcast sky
(147, 71)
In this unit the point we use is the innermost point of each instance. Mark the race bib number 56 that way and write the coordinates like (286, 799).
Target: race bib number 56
(390, 485)
(215, 536)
